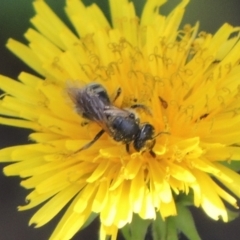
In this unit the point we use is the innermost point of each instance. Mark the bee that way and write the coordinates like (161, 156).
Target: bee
(93, 103)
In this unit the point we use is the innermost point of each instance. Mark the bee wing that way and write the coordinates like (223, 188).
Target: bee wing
(87, 104)
(92, 103)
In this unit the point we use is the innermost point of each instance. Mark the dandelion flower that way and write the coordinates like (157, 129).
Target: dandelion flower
(188, 80)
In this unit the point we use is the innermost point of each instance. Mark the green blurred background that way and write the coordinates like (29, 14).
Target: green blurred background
(14, 21)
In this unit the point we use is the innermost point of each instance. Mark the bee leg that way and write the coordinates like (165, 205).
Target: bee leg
(84, 123)
(127, 148)
(99, 134)
(143, 107)
(119, 91)
(153, 154)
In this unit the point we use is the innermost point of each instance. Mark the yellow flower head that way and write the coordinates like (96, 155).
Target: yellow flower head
(185, 84)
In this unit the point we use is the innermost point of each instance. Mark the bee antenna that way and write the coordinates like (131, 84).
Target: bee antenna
(160, 134)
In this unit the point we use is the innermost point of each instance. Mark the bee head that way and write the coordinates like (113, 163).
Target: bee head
(144, 139)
